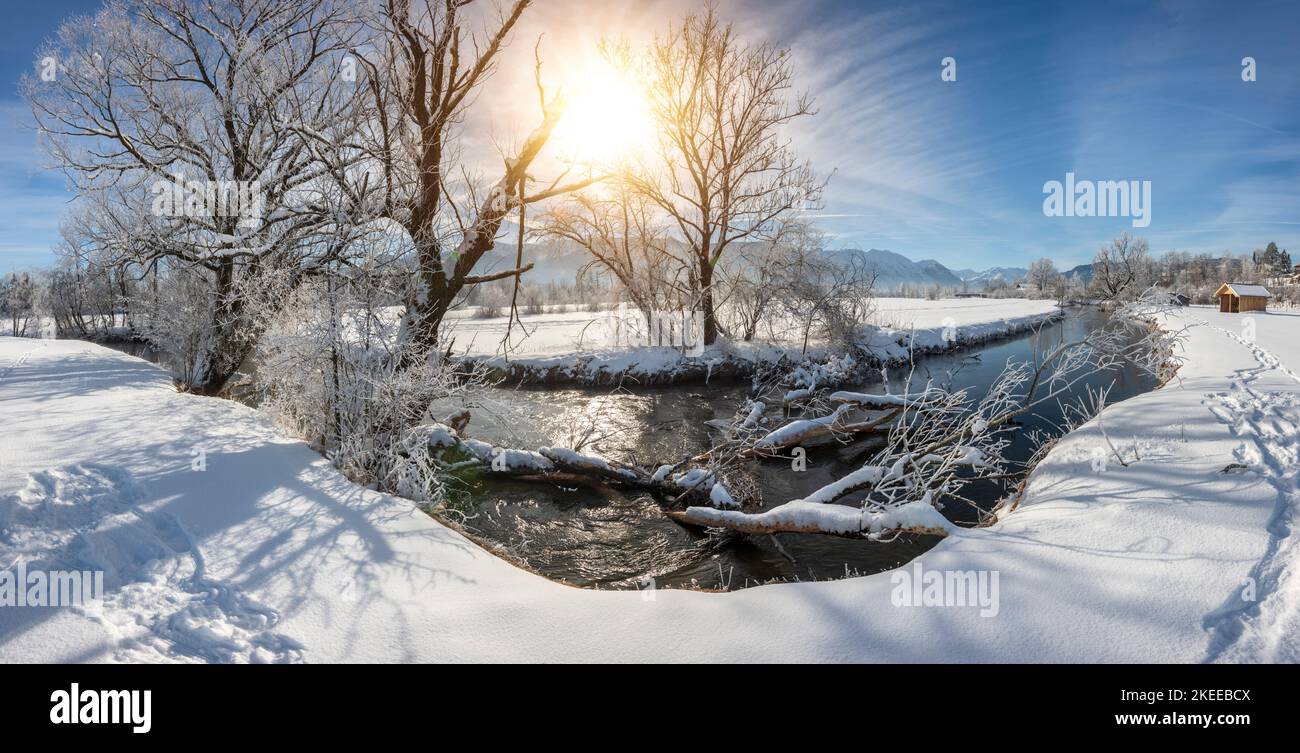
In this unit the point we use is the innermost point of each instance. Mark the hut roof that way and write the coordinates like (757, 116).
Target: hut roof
(1242, 289)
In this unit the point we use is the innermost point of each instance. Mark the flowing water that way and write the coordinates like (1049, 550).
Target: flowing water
(598, 537)
(595, 536)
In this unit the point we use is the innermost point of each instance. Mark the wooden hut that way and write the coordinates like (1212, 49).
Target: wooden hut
(1235, 297)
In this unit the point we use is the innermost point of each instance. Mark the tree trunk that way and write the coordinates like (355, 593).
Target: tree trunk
(432, 299)
(232, 345)
(706, 302)
(234, 333)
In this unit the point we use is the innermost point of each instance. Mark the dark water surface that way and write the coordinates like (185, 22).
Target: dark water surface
(598, 537)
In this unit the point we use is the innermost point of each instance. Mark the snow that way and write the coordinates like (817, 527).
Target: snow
(694, 479)
(780, 437)
(507, 459)
(582, 345)
(919, 313)
(755, 415)
(834, 518)
(565, 457)
(872, 400)
(438, 436)
(719, 497)
(1243, 289)
(269, 554)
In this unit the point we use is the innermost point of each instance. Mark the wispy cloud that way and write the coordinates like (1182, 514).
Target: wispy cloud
(953, 171)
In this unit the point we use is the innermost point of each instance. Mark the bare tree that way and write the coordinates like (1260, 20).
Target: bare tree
(756, 279)
(430, 64)
(170, 105)
(1042, 275)
(726, 172)
(832, 299)
(1120, 269)
(626, 237)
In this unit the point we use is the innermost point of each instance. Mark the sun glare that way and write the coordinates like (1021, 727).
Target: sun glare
(608, 118)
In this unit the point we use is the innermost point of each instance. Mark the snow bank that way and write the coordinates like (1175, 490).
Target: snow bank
(264, 552)
(568, 347)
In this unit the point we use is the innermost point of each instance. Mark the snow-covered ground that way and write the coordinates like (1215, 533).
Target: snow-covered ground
(223, 540)
(585, 346)
(557, 333)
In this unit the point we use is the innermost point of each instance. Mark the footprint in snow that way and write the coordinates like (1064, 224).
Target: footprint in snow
(159, 604)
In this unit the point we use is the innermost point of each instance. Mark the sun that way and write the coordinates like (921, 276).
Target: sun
(608, 118)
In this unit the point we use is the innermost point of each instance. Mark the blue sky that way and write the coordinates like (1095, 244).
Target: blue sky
(931, 169)
(32, 199)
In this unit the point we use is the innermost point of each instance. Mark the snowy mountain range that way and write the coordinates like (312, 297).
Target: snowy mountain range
(552, 263)
(894, 272)
(1083, 272)
(981, 278)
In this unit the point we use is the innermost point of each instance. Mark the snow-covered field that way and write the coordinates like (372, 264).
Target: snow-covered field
(223, 540)
(584, 346)
(573, 332)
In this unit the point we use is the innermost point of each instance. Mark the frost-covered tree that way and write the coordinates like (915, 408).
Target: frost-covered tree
(1121, 270)
(825, 297)
(627, 238)
(329, 370)
(217, 127)
(761, 283)
(725, 171)
(1043, 275)
(428, 65)
(18, 303)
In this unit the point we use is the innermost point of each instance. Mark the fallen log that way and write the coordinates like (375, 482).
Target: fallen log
(807, 430)
(883, 402)
(800, 516)
(552, 463)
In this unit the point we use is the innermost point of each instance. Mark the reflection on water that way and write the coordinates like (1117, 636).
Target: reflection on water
(593, 536)
(590, 535)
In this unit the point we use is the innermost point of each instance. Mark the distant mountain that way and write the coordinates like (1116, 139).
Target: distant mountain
(938, 272)
(895, 271)
(1083, 272)
(551, 262)
(982, 278)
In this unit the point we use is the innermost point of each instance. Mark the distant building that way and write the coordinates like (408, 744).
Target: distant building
(1235, 297)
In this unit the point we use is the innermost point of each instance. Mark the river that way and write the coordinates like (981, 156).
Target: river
(595, 536)
(598, 537)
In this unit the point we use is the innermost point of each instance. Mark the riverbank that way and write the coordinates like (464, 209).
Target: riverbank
(581, 348)
(223, 540)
